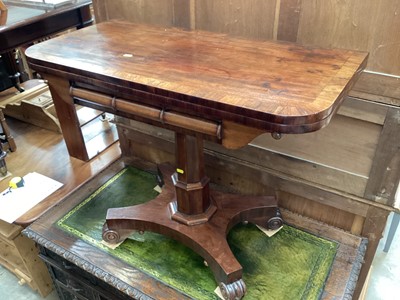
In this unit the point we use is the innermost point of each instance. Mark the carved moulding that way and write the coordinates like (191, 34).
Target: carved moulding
(358, 262)
(86, 266)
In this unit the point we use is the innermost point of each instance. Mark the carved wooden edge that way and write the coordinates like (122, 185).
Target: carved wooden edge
(355, 272)
(86, 266)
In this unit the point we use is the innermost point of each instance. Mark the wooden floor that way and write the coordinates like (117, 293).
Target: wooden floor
(43, 151)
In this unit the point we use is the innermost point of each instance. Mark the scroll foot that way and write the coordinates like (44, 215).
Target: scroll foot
(114, 236)
(276, 221)
(234, 290)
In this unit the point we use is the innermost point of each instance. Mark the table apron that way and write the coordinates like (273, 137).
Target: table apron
(163, 117)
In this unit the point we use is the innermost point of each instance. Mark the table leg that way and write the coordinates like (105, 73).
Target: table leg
(67, 115)
(12, 69)
(204, 217)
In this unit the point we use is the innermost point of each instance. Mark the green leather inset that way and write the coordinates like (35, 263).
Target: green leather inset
(292, 264)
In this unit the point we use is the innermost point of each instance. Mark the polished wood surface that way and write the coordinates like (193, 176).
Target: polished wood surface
(207, 238)
(44, 151)
(273, 86)
(149, 73)
(338, 157)
(322, 24)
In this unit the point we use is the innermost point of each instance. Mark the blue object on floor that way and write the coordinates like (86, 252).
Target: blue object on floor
(392, 230)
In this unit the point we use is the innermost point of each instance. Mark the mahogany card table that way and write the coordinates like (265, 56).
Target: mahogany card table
(201, 85)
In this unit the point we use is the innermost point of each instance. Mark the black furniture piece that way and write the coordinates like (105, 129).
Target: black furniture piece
(21, 25)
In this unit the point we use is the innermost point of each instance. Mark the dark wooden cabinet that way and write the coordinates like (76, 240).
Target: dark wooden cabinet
(5, 81)
(72, 282)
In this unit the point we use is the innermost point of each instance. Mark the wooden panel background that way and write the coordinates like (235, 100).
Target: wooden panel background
(144, 11)
(367, 25)
(248, 18)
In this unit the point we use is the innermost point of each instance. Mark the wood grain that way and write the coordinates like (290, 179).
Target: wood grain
(247, 18)
(309, 22)
(373, 229)
(385, 171)
(289, 17)
(363, 110)
(320, 157)
(288, 88)
(141, 11)
(340, 24)
(317, 147)
(378, 87)
(182, 13)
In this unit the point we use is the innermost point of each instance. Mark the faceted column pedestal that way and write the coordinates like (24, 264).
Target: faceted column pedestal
(187, 211)
(193, 203)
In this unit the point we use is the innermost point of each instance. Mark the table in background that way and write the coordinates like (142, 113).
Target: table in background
(21, 25)
(25, 25)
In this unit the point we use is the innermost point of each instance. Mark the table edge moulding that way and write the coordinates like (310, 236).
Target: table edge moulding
(203, 86)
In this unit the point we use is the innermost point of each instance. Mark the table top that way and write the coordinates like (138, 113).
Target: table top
(270, 85)
(19, 19)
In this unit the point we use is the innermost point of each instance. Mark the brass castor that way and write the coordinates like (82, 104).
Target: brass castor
(234, 290)
(276, 221)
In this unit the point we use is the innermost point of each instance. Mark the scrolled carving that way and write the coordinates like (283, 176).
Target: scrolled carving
(86, 266)
(234, 290)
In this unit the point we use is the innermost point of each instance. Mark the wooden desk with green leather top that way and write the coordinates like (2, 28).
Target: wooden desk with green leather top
(203, 86)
